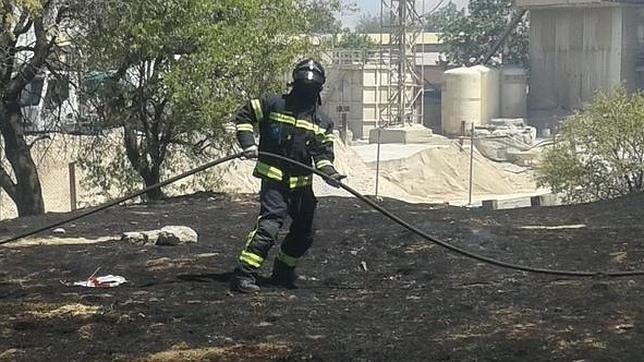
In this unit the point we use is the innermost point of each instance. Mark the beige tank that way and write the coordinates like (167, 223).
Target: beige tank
(514, 92)
(462, 89)
(490, 92)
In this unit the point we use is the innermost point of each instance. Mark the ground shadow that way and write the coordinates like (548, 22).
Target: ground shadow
(206, 277)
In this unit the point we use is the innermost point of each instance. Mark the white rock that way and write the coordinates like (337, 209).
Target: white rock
(169, 235)
(135, 237)
(176, 235)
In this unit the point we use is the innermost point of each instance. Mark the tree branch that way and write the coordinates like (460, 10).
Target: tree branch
(24, 49)
(23, 25)
(7, 184)
(37, 139)
(28, 71)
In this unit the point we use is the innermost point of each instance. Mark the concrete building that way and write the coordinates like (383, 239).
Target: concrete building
(359, 83)
(578, 47)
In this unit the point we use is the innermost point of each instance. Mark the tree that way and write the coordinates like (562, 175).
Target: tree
(31, 33)
(600, 151)
(353, 40)
(320, 15)
(370, 23)
(178, 70)
(468, 36)
(430, 25)
(373, 24)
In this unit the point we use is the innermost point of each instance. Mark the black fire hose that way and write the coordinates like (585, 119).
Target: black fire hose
(124, 198)
(382, 210)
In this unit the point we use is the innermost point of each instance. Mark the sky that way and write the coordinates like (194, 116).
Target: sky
(373, 7)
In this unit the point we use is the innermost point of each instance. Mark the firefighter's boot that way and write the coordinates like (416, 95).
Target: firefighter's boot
(244, 283)
(283, 275)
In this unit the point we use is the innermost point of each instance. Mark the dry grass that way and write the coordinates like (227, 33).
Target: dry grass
(49, 311)
(261, 351)
(53, 240)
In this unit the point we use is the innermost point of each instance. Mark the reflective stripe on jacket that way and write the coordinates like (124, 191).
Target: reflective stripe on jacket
(288, 128)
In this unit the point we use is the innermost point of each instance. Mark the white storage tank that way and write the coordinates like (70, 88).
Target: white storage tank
(490, 92)
(462, 89)
(514, 92)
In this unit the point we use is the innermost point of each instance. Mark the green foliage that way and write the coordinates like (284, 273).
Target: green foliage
(600, 151)
(353, 40)
(370, 24)
(469, 35)
(181, 69)
(109, 173)
(320, 16)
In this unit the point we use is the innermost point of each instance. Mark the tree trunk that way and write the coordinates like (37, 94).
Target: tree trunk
(27, 193)
(150, 179)
(151, 174)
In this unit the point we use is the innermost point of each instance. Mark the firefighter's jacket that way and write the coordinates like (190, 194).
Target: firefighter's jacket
(289, 128)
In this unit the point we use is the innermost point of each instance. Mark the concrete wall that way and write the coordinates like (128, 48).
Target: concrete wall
(351, 86)
(576, 51)
(433, 75)
(633, 47)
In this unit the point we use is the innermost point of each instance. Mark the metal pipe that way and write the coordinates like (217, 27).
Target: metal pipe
(422, 66)
(504, 36)
(402, 67)
(378, 161)
(471, 164)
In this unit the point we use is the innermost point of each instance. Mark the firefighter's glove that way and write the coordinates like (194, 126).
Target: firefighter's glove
(335, 178)
(250, 152)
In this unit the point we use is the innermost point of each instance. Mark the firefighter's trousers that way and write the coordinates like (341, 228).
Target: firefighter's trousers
(278, 202)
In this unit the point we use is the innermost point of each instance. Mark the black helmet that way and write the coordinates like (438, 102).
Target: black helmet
(310, 72)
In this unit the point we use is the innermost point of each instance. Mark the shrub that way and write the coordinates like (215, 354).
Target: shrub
(599, 153)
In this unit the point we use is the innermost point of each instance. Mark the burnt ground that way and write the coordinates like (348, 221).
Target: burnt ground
(414, 302)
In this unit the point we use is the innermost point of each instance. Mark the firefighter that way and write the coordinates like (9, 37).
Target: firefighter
(289, 125)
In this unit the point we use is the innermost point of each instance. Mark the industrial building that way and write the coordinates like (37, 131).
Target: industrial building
(578, 47)
(361, 84)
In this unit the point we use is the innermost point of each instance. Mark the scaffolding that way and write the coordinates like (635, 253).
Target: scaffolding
(404, 26)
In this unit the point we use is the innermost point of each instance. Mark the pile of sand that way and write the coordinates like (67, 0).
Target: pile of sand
(438, 174)
(443, 174)
(238, 178)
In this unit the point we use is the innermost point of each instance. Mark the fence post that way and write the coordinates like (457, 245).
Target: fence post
(72, 185)
(462, 138)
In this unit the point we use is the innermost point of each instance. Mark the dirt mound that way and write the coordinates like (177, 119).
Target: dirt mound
(442, 173)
